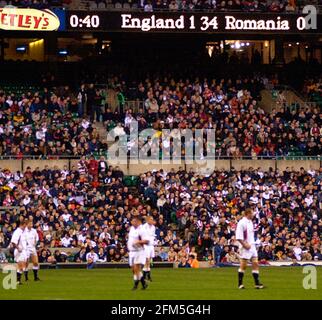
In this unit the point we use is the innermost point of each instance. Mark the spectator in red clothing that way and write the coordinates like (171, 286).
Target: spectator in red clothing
(93, 167)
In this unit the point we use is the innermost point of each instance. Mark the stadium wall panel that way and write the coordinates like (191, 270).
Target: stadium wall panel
(297, 164)
(246, 164)
(59, 163)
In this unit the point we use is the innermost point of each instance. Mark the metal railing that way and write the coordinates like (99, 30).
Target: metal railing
(303, 102)
(135, 105)
(293, 106)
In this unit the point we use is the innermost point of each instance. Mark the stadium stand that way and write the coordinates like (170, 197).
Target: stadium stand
(46, 122)
(90, 206)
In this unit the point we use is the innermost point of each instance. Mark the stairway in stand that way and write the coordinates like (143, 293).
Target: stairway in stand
(99, 126)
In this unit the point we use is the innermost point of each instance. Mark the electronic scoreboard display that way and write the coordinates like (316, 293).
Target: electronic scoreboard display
(190, 22)
(24, 19)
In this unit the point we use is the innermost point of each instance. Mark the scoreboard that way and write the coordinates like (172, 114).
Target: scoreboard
(16, 19)
(167, 22)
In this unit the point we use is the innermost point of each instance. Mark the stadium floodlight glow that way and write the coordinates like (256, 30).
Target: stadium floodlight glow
(63, 52)
(21, 49)
(210, 50)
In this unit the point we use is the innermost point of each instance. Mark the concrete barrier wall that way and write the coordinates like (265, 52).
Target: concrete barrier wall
(297, 164)
(12, 165)
(137, 169)
(41, 164)
(216, 164)
(246, 164)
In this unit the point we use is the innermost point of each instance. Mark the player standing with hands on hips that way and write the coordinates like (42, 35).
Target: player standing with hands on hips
(245, 236)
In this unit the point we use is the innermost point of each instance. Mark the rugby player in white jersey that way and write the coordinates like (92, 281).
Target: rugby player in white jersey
(136, 241)
(18, 243)
(32, 240)
(245, 236)
(149, 228)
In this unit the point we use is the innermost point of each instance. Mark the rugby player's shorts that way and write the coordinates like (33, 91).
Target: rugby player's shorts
(31, 252)
(136, 257)
(248, 254)
(149, 252)
(20, 256)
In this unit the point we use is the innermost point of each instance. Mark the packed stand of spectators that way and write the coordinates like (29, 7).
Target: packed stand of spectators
(89, 207)
(228, 106)
(172, 5)
(51, 123)
(85, 207)
(45, 123)
(206, 209)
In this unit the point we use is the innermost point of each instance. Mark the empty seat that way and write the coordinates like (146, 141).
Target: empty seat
(92, 5)
(118, 5)
(101, 5)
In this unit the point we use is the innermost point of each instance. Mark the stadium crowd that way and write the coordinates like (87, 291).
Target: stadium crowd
(40, 124)
(51, 123)
(276, 6)
(89, 207)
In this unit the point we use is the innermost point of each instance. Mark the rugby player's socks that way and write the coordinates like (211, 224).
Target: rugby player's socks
(136, 281)
(149, 274)
(256, 276)
(19, 276)
(35, 270)
(26, 274)
(142, 279)
(240, 277)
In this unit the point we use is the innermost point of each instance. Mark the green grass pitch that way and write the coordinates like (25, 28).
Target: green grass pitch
(168, 284)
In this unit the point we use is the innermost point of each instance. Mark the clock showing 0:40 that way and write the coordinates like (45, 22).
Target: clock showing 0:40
(89, 21)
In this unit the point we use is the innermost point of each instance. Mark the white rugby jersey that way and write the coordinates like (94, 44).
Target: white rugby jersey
(32, 237)
(136, 234)
(149, 230)
(245, 230)
(19, 239)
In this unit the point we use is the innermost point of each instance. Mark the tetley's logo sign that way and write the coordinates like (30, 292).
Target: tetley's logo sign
(28, 19)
